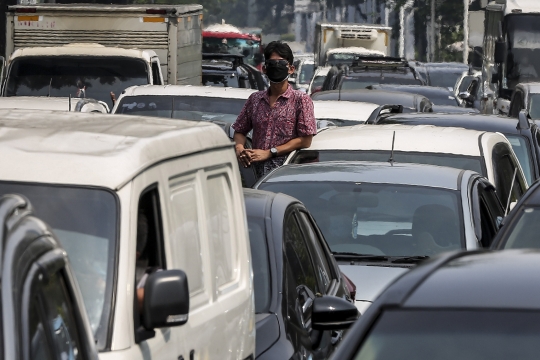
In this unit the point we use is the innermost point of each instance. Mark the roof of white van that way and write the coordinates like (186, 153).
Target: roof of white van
(189, 90)
(37, 103)
(421, 138)
(82, 49)
(532, 88)
(343, 110)
(94, 149)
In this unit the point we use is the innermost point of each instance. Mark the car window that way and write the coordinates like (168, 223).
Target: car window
(504, 169)
(322, 267)
(60, 321)
(521, 147)
(486, 210)
(473, 163)
(298, 256)
(516, 105)
(524, 234)
(40, 348)
(534, 106)
(260, 263)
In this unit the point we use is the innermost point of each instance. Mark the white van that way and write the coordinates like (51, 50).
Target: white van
(142, 201)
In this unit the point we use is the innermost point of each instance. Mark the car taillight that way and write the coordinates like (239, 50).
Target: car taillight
(26, 10)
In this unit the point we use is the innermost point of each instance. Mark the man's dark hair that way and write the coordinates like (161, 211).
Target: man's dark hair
(279, 48)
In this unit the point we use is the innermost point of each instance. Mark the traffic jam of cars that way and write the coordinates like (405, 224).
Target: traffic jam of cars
(132, 229)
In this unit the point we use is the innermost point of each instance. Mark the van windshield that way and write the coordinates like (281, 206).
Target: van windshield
(85, 222)
(182, 107)
(79, 76)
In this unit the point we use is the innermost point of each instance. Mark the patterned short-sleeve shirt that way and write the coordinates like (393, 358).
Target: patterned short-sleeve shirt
(291, 117)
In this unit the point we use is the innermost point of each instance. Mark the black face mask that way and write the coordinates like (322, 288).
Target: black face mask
(277, 70)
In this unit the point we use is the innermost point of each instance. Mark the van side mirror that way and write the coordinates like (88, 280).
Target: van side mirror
(333, 313)
(166, 299)
(500, 51)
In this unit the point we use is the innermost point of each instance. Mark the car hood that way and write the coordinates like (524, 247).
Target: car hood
(370, 281)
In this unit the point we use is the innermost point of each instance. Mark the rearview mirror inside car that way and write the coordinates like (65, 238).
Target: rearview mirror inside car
(166, 299)
(333, 313)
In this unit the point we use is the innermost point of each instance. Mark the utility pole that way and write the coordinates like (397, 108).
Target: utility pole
(432, 37)
(465, 31)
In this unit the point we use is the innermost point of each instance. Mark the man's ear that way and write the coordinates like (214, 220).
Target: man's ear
(291, 69)
(264, 69)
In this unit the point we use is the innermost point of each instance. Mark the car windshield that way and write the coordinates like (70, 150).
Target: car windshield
(521, 148)
(446, 78)
(524, 234)
(85, 222)
(440, 98)
(455, 161)
(75, 76)
(523, 48)
(380, 219)
(229, 79)
(336, 59)
(182, 107)
(534, 106)
(306, 73)
(317, 83)
(357, 82)
(260, 263)
(453, 334)
(245, 47)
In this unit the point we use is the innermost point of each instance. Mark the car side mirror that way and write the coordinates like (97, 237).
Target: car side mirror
(166, 299)
(465, 96)
(333, 313)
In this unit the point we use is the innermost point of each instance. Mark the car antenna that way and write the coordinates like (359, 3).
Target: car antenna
(50, 83)
(510, 194)
(391, 160)
(69, 109)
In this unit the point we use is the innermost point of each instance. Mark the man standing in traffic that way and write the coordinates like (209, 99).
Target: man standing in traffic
(281, 118)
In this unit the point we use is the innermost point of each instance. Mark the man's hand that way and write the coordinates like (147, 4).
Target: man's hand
(258, 155)
(242, 156)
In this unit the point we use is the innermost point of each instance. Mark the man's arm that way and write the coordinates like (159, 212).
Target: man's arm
(240, 141)
(301, 142)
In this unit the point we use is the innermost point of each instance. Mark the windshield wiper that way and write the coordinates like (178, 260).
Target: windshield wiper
(408, 259)
(360, 257)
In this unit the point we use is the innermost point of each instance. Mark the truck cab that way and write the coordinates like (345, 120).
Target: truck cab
(80, 71)
(511, 48)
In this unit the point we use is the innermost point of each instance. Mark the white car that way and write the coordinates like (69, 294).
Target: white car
(343, 113)
(203, 103)
(489, 154)
(318, 79)
(303, 74)
(53, 103)
(142, 203)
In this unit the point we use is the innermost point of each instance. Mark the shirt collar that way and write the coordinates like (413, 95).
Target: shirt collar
(287, 94)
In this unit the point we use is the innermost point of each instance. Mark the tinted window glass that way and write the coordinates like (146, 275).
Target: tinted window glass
(84, 220)
(88, 76)
(520, 146)
(60, 318)
(182, 107)
(534, 106)
(504, 174)
(221, 80)
(298, 256)
(351, 83)
(455, 161)
(441, 335)
(446, 78)
(374, 219)
(260, 263)
(306, 73)
(39, 346)
(525, 233)
(312, 238)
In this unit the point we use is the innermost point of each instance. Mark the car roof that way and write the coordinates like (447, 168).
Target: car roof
(480, 122)
(94, 149)
(189, 90)
(422, 90)
(82, 49)
(37, 103)
(372, 96)
(421, 138)
(256, 201)
(531, 88)
(501, 279)
(371, 172)
(521, 6)
(343, 110)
